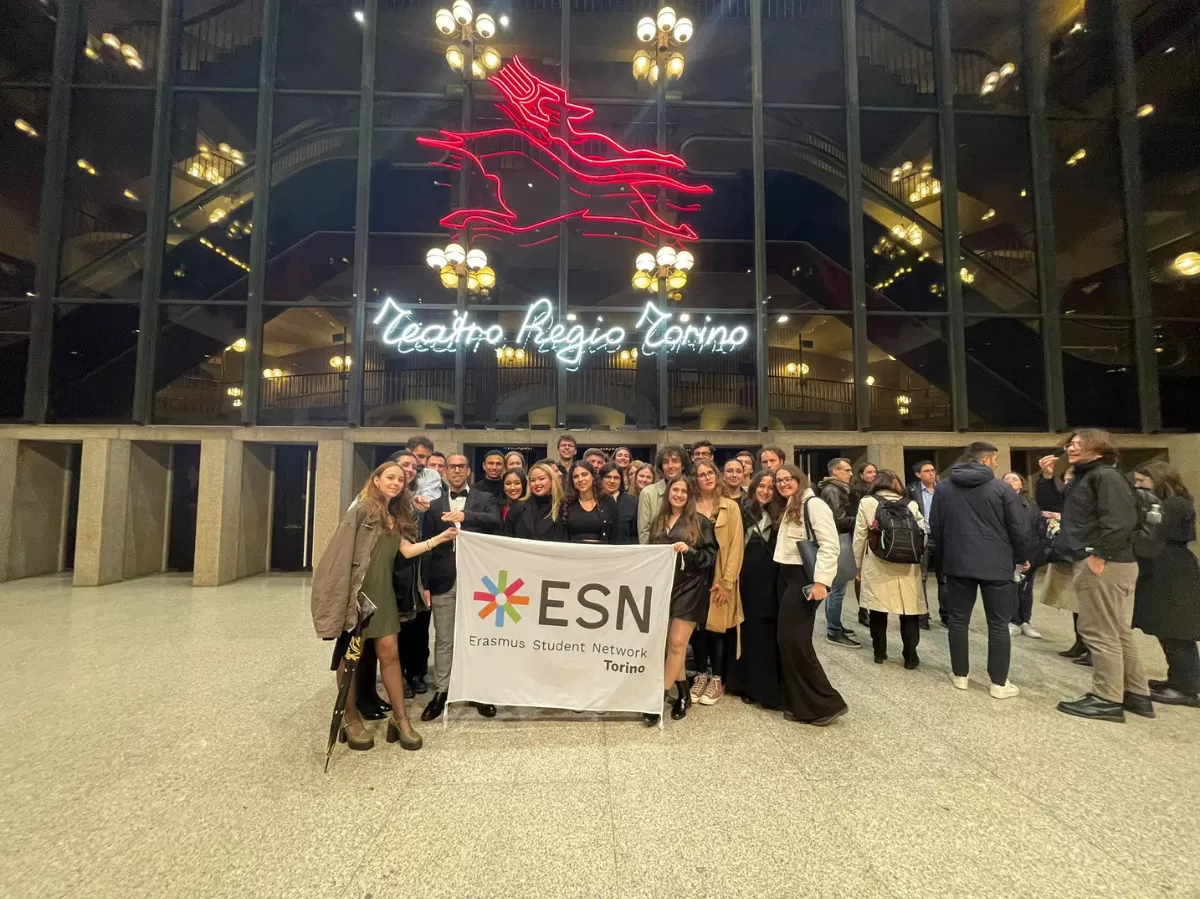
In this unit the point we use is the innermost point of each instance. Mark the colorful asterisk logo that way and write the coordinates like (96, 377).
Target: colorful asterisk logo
(501, 598)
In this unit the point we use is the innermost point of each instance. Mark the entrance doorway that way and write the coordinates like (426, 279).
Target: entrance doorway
(295, 472)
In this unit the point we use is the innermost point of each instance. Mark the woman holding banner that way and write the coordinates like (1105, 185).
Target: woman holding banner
(588, 516)
(359, 560)
(691, 536)
(808, 696)
(715, 645)
(539, 515)
(755, 675)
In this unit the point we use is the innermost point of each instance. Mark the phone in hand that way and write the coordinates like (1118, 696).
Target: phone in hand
(808, 592)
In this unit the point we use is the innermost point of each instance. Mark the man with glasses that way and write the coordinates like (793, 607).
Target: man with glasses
(922, 493)
(470, 510)
(702, 450)
(835, 491)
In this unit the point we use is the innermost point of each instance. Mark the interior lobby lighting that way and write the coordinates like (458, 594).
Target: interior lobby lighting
(25, 128)
(111, 41)
(129, 195)
(989, 215)
(360, 17)
(86, 166)
(1144, 110)
(1076, 157)
(793, 369)
(1187, 264)
(1077, 27)
(341, 363)
(781, 320)
(239, 345)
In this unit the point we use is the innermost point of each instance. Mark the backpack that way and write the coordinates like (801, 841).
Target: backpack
(1147, 541)
(895, 535)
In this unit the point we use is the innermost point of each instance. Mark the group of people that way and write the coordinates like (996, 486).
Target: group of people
(760, 550)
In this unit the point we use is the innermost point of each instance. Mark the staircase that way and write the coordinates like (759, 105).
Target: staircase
(208, 37)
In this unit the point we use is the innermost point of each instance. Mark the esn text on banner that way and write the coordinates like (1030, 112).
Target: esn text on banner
(560, 625)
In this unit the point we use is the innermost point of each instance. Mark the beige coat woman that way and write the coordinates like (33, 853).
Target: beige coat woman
(730, 545)
(339, 574)
(891, 587)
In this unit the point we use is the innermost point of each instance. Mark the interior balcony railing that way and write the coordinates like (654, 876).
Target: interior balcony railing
(207, 37)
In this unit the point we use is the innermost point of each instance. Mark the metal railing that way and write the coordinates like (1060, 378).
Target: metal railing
(207, 37)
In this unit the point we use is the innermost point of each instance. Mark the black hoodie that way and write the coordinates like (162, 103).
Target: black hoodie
(978, 528)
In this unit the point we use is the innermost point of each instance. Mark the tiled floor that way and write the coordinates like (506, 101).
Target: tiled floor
(165, 741)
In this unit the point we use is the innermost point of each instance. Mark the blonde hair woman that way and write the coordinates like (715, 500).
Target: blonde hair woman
(636, 478)
(539, 515)
(716, 644)
(358, 564)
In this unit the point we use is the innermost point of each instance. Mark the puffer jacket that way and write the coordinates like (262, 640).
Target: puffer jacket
(339, 575)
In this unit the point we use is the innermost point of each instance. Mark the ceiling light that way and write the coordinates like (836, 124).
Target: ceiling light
(1077, 27)
(111, 41)
(1144, 110)
(781, 320)
(1008, 70)
(571, 316)
(1187, 264)
(25, 128)
(1078, 155)
(360, 17)
(684, 317)
(1168, 51)
(130, 195)
(870, 380)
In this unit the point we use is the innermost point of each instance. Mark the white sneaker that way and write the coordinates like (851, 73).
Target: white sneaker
(1028, 631)
(962, 683)
(698, 687)
(1013, 629)
(712, 692)
(1008, 691)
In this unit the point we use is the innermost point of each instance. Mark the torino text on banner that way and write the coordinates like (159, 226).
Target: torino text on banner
(561, 625)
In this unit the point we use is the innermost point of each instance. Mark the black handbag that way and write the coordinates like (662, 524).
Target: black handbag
(406, 581)
(847, 566)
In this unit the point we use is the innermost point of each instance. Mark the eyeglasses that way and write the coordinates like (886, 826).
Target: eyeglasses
(455, 466)
(780, 482)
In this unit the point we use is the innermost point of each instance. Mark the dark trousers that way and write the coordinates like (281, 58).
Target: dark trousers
(709, 651)
(414, 646)
(910, 634)
(807, 693)
(1024, 611)
(943, 610)
(999, 601)
(1183, 664)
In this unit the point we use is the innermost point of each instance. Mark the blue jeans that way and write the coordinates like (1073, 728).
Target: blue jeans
(833, 610)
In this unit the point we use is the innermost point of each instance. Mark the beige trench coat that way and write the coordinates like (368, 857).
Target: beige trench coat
(339, 575)
(889, 587)
(731, 543)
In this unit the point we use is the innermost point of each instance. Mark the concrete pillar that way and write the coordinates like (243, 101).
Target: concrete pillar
(335, 484)
(233, 519)
(147, 509)
(889, 456)
(34, 488)
(103, 504)
(255, 508)
(1003, 459)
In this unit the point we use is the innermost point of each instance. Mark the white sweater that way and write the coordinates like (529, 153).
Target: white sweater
(825, 533)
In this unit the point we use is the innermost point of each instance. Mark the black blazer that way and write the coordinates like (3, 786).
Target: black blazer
(482, 517)
(627, 509)
(530, 521)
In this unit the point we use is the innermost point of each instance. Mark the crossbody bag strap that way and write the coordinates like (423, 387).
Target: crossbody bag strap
(808, 522)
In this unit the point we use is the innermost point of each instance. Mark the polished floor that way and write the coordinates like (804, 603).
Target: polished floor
(165, 741)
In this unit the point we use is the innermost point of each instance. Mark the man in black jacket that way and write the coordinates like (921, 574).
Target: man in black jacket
(921, 492)
(1100, 520)
(835, 490)
(471, 510)
(977, 533)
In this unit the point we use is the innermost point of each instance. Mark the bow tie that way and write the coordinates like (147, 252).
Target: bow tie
(459, 494)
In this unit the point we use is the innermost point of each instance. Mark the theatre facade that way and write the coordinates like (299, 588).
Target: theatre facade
(249, 247)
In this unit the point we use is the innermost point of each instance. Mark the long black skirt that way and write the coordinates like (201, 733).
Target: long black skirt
(755, 674)
(807, 693)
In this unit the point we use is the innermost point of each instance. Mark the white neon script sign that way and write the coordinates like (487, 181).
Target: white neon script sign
(568, 343)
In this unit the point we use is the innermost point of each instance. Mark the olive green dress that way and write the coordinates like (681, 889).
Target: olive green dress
(377, 585)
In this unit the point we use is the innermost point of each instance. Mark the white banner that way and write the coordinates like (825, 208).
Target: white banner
(561, 625)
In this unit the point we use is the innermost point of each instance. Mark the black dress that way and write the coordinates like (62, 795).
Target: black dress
(807, 692)
(530, 520)
(598, 525)
(627, 512)
(1167, 602)
(690, 590)
(755, 674)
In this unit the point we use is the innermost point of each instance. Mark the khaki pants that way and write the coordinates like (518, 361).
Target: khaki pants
(443, 605)
(1106, 626)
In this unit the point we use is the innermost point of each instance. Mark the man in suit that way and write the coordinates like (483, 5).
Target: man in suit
(471, 510)
(921, 492)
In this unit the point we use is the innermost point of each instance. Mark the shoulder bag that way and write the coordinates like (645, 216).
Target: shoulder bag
(847, 566)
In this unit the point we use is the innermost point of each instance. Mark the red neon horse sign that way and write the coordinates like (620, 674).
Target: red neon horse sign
(612, 187)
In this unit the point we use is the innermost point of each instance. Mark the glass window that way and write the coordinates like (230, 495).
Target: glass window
(1170, 168)
(411, 388)
(504, 389)
(1006, 373)
(910, 376)
(995, 214)
(22, 144)
(604, 41)
(616, 386)
(314, 176)
(93, 362)
(810, 370)
(221, 43)
(1098, 373)
(1089, 220)
(895, 53)
(207, 255)
(714, 387)
(802, 53)
(1178, 352)
(107, 185)
(121, 43)
(14, 355)
(716, 57)
(307, 358)
(985, 39)
(199, 376)
(320, 45)
(1080, 79)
